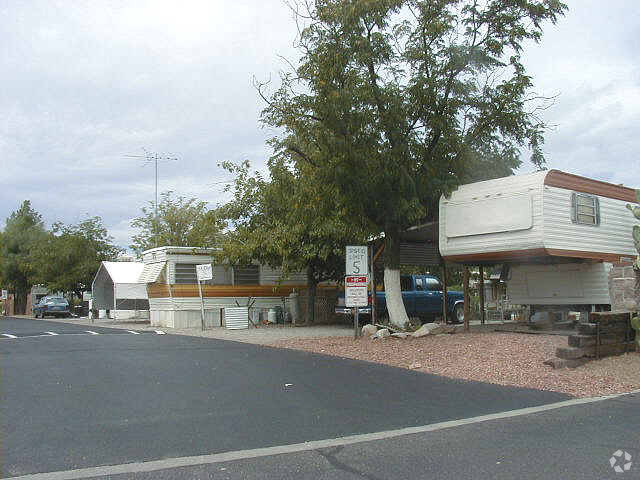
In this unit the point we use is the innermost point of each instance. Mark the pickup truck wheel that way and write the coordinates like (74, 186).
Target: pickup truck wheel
(459, 312)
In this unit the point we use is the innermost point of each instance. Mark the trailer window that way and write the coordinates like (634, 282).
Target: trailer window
(246, 275)
(585, 209)
(185, 273)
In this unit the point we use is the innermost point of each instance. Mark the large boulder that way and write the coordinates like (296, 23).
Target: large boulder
(369, 330)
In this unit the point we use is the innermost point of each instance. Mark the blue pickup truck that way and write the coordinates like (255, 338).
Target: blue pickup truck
(422, 296)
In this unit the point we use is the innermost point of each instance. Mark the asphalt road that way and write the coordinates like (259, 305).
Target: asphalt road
(73, 401)
(25, 327)
(570, 443)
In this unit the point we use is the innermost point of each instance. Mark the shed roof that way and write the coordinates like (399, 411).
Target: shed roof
(124, 272)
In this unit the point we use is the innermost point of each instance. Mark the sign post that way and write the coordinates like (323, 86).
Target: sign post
(203, 272)
(355, 295)
(357, 264)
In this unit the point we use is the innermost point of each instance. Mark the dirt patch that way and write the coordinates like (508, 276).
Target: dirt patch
(500, 358)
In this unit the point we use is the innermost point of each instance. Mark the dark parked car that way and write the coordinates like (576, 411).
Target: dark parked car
(51, 305)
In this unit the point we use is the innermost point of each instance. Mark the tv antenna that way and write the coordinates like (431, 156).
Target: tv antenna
(148, 158)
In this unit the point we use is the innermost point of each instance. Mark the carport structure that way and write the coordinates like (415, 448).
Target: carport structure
(116, 288)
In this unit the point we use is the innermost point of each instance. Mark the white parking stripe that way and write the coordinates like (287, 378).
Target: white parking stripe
(8, 335)
(92, 332)
(135, 333)
(51, 333)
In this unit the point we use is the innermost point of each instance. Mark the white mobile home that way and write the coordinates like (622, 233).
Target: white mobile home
(174, 299)
(558, 232)
(116, 288)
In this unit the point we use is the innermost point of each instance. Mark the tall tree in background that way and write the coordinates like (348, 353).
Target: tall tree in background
(181, 222)
(24, 229)
(68, 257)
(406, 99)
(290, 220)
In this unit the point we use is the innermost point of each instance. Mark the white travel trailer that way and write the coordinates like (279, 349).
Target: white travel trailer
(174, 297)
(559, 233)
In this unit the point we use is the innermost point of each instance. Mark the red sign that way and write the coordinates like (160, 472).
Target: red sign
(356, 281)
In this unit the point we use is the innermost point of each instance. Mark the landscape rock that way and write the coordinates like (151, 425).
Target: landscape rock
(400, 334)
(428, 329)
(369, 330)
(557, 363)
(382, 333)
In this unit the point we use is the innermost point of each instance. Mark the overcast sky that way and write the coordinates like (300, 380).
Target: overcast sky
(84, 84)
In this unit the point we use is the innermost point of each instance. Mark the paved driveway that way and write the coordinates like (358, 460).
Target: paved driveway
(73, 401)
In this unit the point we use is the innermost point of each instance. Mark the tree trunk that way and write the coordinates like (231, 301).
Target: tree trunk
(393, 293)
(20, 302)
(312, 287)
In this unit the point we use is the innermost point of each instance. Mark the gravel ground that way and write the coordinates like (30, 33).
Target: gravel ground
(500, 358)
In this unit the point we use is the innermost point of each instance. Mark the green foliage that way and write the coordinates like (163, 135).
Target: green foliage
(24, 229)
(68, 257)
(181, 222)
(400, 101)
(290, 220)
(636, 228)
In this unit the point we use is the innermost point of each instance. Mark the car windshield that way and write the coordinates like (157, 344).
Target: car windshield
(55, 300)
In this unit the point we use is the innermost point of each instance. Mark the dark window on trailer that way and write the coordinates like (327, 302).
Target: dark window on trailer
(585, 209)
(247, 275)
(186, 273)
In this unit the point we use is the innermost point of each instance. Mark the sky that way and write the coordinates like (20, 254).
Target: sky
(88, 87)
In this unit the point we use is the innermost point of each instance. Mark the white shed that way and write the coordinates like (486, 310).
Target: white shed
(559, 233)
(116, 287)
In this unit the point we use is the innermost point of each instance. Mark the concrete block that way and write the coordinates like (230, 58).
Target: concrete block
(569, 353)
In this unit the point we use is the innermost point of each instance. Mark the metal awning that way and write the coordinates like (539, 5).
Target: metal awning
(151, 272)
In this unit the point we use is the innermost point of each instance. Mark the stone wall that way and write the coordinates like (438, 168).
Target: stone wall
(624, 288)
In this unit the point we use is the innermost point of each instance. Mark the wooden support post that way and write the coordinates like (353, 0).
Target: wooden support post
(467, 299)
(482, 313)
(373, 287)
(445, 295)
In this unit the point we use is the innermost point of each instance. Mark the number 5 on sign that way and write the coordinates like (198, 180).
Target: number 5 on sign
(357, 260)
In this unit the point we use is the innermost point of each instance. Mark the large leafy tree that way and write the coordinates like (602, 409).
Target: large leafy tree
(290, 220)
(406, 99)
(23, 231)
(180, 222)
(68, 257)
